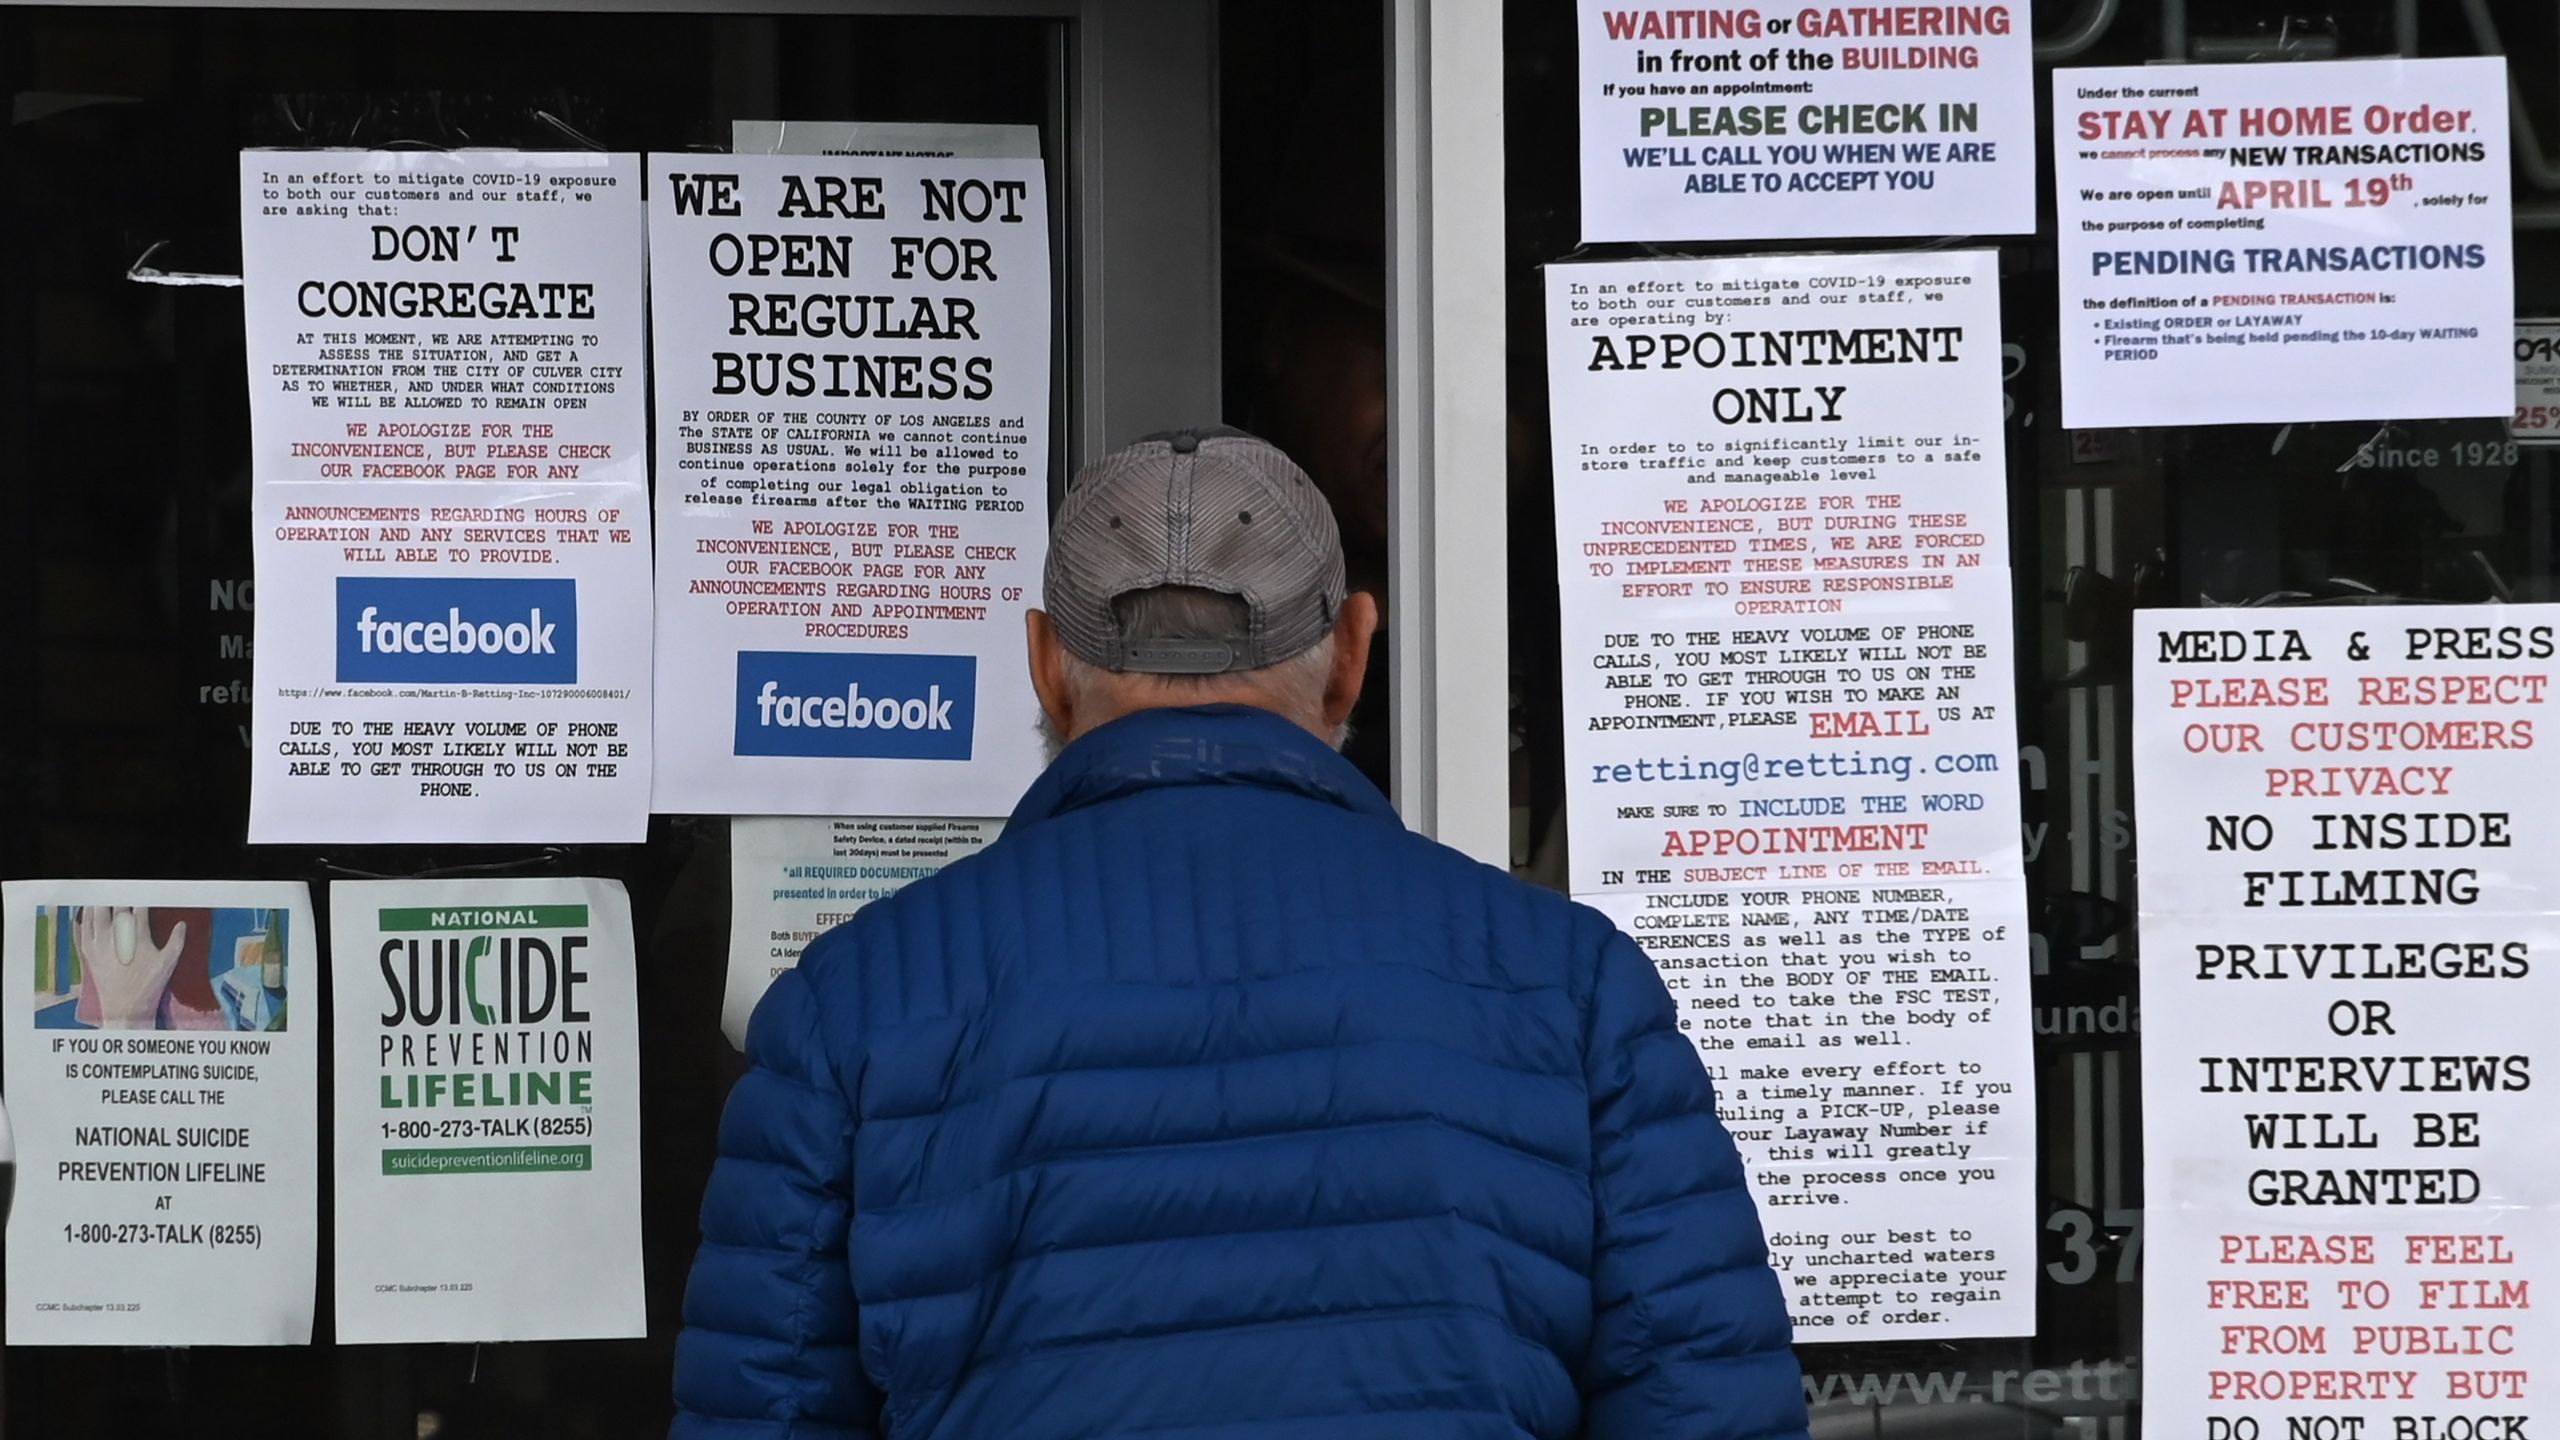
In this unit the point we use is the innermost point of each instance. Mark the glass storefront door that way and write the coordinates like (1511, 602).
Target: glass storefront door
(124, 439)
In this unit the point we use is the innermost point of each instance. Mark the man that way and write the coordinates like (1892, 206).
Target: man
(1209, 1102)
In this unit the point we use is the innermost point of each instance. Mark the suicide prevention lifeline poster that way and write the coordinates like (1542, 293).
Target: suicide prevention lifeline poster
(163, 1069)
(488, 1110)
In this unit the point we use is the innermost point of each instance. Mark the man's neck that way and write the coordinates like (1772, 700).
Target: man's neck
(1244, 696)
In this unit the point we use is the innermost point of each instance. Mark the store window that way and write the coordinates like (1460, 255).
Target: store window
(2101, 522)
(123, 430)
(124, 434)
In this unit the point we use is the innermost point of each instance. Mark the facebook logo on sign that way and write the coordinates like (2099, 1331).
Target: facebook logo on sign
(444, 631)
(855, 706)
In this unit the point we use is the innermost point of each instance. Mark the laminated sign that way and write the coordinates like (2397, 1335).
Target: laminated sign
(853, 463)
(792, 878)
(451, 496)
(488, 1110)
(163, 1059)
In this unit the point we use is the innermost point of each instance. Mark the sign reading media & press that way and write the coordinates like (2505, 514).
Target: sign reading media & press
(2347, 988)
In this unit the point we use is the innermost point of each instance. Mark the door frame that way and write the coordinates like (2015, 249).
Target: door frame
(1448, 425)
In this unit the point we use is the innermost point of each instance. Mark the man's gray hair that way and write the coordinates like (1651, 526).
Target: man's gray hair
(1294, 688)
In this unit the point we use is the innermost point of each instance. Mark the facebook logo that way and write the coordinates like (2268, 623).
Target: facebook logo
(856, 706)
(436, 630)
(853, 705)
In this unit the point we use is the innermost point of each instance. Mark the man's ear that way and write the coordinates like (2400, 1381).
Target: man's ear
(1353, 631)
(1049, 671)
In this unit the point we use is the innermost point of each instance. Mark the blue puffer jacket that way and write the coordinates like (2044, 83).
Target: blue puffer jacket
(1211, 1104)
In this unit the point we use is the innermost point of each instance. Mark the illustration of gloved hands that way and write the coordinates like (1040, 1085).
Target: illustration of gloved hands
(129, 972)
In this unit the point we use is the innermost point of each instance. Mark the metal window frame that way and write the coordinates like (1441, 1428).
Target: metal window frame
(1138, 91)
(1143, 345)
(1448, 425)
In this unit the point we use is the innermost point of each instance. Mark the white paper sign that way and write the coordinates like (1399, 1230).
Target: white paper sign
(1728, 121)
(488, 1110)
(450, 491)
(164, 1083)
(1782, 546)
(792, 878)
(853, 448)
(2284, 242)
(884, 137)
(2348, 991)
(2537, 417)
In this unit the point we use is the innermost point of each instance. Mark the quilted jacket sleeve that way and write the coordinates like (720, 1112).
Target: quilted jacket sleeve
(1690, 1335)
(769, 1344)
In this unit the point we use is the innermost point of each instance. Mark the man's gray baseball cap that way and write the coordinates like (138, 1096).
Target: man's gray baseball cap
(1208, 509)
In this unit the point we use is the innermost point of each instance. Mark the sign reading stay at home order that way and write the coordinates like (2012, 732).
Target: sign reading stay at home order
(2283, 243)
